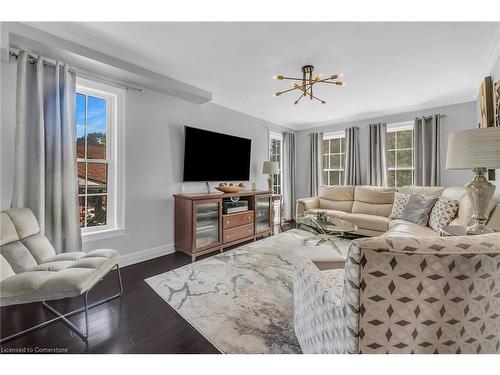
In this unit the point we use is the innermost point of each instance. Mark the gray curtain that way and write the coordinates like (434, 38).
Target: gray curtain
(352, 167)
(288, 176)
(377, 154)
(315, 163)
(426, 137)
(45, 150)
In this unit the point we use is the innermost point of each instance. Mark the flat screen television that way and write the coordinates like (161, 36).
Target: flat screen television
(211, 156)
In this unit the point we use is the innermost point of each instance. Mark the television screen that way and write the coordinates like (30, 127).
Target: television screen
(210, 156)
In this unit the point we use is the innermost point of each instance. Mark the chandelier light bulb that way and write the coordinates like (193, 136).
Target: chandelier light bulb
(278, 77)
(277, 93)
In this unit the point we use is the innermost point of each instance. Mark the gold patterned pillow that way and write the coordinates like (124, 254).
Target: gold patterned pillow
(400, 201)
(443, 212)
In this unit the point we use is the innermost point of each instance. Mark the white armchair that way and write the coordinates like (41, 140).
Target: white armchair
(30, 270)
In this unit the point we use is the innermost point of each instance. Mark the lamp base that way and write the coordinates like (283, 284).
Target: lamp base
(480, 192)
(270, 181)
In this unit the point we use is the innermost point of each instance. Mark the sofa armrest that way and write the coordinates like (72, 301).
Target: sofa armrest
(322, 323)
(427, 295)
(305, 204)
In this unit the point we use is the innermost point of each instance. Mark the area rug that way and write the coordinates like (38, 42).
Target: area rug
(241, 300)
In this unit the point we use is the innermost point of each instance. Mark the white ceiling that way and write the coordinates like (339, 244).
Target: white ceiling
(388, 67)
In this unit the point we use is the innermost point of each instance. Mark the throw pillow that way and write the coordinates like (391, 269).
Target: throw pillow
(400, 201)
(443, 212)
(418, 208)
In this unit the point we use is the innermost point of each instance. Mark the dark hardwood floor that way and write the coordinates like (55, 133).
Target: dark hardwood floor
(139, 321)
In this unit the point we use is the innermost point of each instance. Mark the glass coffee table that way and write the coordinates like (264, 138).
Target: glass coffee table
(325, 230)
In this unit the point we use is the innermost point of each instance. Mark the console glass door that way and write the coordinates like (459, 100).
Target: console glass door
(207, 223)
(262, 213)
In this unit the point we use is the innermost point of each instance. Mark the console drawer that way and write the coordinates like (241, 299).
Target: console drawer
(236, 233)
(237, 219)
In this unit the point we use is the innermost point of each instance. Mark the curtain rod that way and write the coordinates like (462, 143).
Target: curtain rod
(79, 70)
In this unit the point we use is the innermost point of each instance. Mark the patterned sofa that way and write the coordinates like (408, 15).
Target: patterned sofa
(404, 295)
(369, 207)
(407, 290)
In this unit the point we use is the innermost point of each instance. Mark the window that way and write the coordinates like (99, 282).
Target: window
(275, 154)
(98, 149)
(333, 150)
(400, 154)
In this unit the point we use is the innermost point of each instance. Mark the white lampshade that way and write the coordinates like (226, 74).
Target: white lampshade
(270, 167)
(474, 148)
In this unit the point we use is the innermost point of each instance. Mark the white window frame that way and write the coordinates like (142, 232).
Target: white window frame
(394, 128)
(278, 137)
(326, 137)
(115, 156)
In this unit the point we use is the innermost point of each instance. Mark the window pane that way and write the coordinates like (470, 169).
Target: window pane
(405, 158)
(391, 141)
(96, 143)
(391, 159)
(81, 177)
(341, 182)
(325, 149)
(80, 142)
(334, 178)
(96, 210)
(80, 109)
(342, 144)
(404, 178)
(391, 175)
(97, 178)
(325, 178)
(335, 145)
(335, 161)
(96, 112)
(405, 138)
(325, 162)
(81, 201)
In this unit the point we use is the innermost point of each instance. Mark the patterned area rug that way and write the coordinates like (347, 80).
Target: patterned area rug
(241, 300)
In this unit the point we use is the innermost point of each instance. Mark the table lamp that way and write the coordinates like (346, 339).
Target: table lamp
(479, 150)
(271, 168)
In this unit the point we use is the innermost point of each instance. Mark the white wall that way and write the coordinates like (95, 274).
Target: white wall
(154, 155)
(458, 117)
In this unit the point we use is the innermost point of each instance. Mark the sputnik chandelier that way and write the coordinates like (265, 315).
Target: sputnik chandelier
(307, 83)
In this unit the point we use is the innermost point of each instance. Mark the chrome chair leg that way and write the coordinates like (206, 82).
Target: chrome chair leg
(63, 317)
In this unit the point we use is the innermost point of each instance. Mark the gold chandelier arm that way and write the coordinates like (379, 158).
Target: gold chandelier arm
(291, 79)
(338, 83)
(300, 97)
(319, 100)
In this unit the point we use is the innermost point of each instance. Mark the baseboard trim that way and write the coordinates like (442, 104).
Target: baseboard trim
(147, 254)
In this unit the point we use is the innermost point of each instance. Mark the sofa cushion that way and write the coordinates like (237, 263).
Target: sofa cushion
(418, 208)
(331, 213)
(443, 213)
(372, 209)
(422, 190)
(403, 228)
(327, 204)
(400, 201)
(454, 193)
(374, 194)
(366, 221)
(337, 193)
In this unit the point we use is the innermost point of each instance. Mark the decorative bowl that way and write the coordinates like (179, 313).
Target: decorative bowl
(230, 189)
